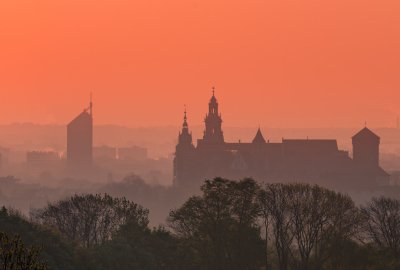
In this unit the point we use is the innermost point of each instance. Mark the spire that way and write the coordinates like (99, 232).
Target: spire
(398, 123)
(213, 100)
(259, 138)
(185, 124)
(185, 137)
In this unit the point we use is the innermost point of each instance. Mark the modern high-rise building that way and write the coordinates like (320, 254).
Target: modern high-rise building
(80, 140)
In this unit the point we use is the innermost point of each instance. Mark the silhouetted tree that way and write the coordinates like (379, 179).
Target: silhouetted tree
(307, 222)
(220, 226)
(276, 205)
(91, 219)
(15, 256)
(382, 224)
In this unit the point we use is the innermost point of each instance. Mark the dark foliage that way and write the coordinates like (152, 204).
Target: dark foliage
(219, 228)
(230, 225)
(91, 219)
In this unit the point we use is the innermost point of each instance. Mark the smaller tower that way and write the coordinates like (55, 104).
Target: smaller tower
(185, 137)
(184, 156)
(366, 148)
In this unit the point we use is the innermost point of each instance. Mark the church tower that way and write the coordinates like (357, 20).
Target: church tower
(184, 155)
(213, 121)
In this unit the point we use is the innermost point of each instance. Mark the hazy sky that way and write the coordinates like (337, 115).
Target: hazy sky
(278, 63)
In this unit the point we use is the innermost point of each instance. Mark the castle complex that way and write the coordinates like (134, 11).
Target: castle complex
(300, 160)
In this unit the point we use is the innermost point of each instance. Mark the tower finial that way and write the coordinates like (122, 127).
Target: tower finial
(365, 123)
(213, 91)
(185, 124)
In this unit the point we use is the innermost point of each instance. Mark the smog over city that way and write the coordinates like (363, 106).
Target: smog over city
(221, 135)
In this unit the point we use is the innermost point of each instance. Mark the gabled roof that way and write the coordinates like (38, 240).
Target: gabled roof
(259, 138)
(365, 133)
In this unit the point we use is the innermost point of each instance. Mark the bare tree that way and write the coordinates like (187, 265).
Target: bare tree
(382, 223)
(306, 221)
(320, 217)
(91, 219)
(266, 220)
(276, 202)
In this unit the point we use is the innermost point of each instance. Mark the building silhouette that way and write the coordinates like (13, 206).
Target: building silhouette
(42, 159)
(294, 160)
(80, 140)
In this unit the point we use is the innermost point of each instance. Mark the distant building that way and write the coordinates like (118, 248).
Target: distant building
(42, 159)
(5, 156)
(305, 160)
(80, 140)
(104, 152)
(132, 153)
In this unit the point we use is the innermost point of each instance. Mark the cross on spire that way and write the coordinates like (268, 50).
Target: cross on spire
(213, 91)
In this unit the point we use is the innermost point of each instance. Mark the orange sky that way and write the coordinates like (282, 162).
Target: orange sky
(278, 63)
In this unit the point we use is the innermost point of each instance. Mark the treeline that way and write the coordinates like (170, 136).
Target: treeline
(230, 225)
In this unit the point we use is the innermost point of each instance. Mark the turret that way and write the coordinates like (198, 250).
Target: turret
(185, 137)
(366, 148)
(184, 155)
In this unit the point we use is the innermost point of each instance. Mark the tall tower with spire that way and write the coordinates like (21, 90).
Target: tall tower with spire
(213, 121)
(184, 155)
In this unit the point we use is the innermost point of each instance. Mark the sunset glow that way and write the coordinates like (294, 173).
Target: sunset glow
(276, 63)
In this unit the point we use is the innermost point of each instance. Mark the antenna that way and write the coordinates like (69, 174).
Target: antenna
(91, 104)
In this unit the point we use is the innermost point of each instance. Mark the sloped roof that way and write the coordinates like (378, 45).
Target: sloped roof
(83, 116)
(365, 133)
(259, 138)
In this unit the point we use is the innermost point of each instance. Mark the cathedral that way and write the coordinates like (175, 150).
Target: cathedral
(294, 160)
